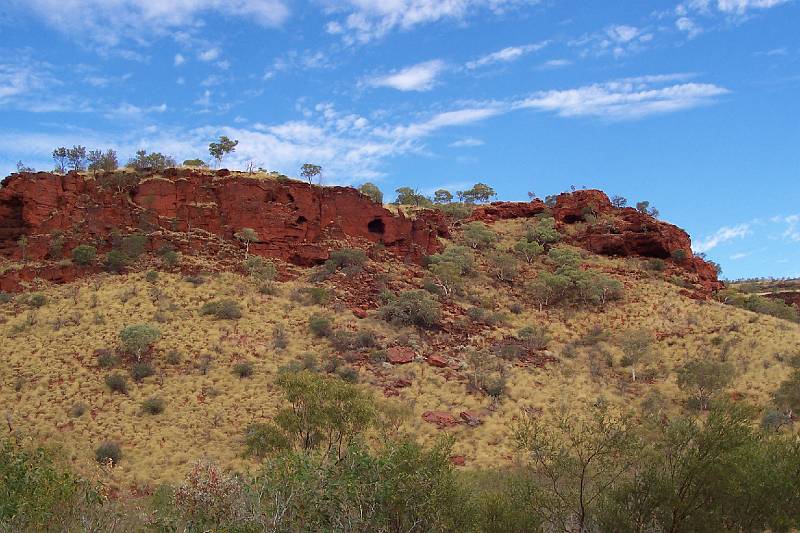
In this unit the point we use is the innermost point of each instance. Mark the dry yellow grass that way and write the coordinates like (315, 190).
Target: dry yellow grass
(45, 370)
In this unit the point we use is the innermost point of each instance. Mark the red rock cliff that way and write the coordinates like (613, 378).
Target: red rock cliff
(295, 221)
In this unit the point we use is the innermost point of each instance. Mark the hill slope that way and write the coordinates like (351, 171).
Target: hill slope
(471, 372)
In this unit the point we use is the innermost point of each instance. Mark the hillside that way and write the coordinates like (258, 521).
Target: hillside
(499, 345)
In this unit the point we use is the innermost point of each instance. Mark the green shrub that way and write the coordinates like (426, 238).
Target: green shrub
(84, 255)
(78, 410)
(543, 232)
(348, 374)
(259, 269)
(117, 383)
(225, 309)
(261, 440)
(350, 260)
(169, 258)
(138, 338)
(409, 308)
(320, 325)
(151, 276)
(372, 191)
(107, 359)
(656, 265)
(457, 210)
(243, 369)
(680, 255)
(141, 370)
(116, 261)
(703, 377)
(478, 236)
(133, 245)
(6, 298)
(153, 406)
(38, 494)
(173, 357)
(108, 452)
(37, 299)
(535, 337)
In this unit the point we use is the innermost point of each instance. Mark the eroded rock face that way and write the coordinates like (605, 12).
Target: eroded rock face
(296, 222)
(611, 231)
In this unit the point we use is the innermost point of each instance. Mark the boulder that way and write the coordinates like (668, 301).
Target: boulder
(441, 419)
(400, 355)
(437, 361)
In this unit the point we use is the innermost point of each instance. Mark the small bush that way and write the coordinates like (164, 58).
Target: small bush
(656, 265)
(280, 338)
(84, 255)
(169, 258)
(138, 338)
(151, 276)
(348, 374)
(260, 440)
(320, 325)
(133, 245)
(117, 383)
(316, 295)
(243, 370)
(195, 279)
(226, 309)
(173, 357)
(153, 406)
(409, 308)
(141, 370)
(108, 452)
(351, 260)
(78, 410)
(37, 299)
(116, 261)
(535, 337)
(107, 359)
(6, 298)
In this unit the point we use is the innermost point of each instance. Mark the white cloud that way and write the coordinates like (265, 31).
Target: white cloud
(688, 26)
(209, 55)
(740, 7)
(617, 39)
(506, 55)
(372, 19)
(179, 60)
(792, 228)
(109, 22)
(468, 142)
(724, 234)
(629, 98)
(438, 121)
(20, 79)
(555, 63)
(419, 77)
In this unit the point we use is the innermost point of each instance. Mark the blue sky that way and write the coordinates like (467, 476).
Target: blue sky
(691, 105)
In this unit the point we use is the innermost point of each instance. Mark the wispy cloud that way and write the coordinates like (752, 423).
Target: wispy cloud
(109, 23)
(468, 142)
(616, 39)
(419, 77)
(506, 55)
(625, 99)
(724, 234)
(367, 20)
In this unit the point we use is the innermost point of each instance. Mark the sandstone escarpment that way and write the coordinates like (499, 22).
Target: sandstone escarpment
(295, 222)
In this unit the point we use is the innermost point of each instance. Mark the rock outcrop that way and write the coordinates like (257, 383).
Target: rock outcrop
(295, 222)
(612, 231)
(197, 211)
